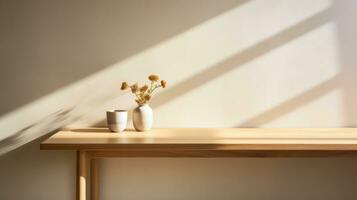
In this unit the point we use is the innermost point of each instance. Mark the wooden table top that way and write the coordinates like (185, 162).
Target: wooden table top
(208, 139)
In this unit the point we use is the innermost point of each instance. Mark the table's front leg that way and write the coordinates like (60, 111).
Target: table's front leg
(82, 175)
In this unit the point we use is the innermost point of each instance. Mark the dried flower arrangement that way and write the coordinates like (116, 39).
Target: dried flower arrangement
(143, 94)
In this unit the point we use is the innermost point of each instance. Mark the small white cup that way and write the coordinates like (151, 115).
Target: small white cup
(117, 120)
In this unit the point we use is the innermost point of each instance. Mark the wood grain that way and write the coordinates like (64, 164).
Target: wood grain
(208, 142)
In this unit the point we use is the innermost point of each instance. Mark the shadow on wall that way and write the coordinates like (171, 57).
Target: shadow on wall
(30, 173)
(119, 44)
(31, 132)
(228, 178)
(343, 13)
(293, 103)
(46, 46)
(345, 16)
(244, 57)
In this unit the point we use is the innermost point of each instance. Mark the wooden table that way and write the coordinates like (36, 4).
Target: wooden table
(94, 143)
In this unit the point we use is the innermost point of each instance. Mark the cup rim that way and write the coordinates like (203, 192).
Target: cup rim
(116, 111)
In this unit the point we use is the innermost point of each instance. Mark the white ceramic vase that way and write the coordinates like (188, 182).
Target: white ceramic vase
(143, 118)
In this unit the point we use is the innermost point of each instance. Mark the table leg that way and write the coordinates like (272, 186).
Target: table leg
(82, 166)
(94, 182)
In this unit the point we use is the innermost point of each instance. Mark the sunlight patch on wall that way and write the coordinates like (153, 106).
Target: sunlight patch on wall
(186, 56)
(319, 108)
(179, 59)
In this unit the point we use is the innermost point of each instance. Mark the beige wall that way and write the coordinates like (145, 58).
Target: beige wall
(229, 64)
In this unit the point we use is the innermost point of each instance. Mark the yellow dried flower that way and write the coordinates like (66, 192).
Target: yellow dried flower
(144, 88)
(154, 77)
(134, 88)
(124, 86)
(147, 97)
(163, 83)
(144, 93)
